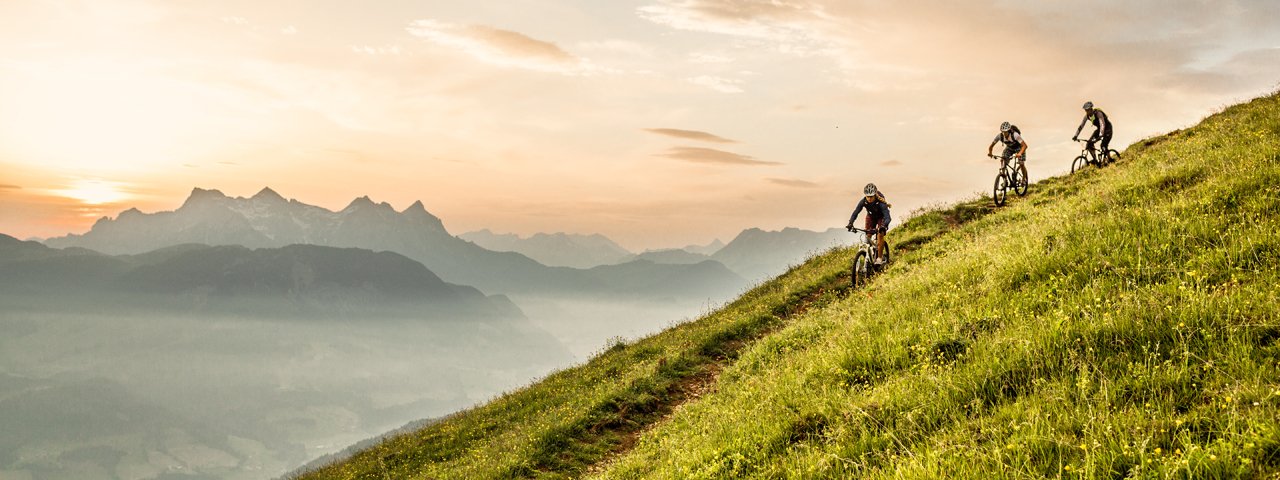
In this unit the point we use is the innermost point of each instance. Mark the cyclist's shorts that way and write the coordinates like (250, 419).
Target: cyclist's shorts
(876, 223)
(1009, 152)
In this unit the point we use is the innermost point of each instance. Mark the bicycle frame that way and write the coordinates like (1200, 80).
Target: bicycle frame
(866, 254)
(1091, 155)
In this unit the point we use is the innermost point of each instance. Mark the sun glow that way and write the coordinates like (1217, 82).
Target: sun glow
(95, 192)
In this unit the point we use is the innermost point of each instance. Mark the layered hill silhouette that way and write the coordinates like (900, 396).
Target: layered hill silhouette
(267, 220)
(754, 254)
(296, 279)
(1114, 323)
(555, 249)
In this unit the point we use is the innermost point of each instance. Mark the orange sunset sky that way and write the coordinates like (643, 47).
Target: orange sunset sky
(656, 122)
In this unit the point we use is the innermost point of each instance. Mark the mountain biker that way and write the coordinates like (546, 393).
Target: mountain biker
(1101, 124)
(877, 217)
(1014, 145)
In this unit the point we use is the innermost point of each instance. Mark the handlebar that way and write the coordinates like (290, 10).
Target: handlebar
(869, 232)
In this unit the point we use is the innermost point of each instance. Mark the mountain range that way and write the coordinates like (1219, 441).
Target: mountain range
(555, 249)
(268, 220)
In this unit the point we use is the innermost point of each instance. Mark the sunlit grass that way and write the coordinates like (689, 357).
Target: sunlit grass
(1116, 323)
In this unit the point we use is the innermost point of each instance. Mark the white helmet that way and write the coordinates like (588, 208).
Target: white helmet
(870, 189)
(1088, 105)
(1004, 127)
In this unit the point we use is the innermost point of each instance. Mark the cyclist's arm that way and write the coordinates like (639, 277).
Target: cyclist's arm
(1024, 146)
(861, 204)
(1103, 123)
(1082, 122)
(993, 144)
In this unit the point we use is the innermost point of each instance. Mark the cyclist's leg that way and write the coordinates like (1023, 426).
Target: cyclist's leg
(1009, 152)
(1106, 143)
(883, 247)
(870, 227)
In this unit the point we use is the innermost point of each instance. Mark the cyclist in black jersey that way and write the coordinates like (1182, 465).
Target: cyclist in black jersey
(1014, 145)
(1101, 124)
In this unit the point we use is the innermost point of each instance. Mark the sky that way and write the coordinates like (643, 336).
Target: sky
(659, 123)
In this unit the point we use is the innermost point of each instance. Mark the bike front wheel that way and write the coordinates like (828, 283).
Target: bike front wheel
(1020, 181)
(1000, 192)
(1079, 163)
(861, 270)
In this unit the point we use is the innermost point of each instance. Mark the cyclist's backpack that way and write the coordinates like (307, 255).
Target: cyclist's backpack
(880, 196)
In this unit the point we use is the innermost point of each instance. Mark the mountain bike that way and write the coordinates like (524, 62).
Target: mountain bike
(864, 265)
(1089, 156)
(1014, 178)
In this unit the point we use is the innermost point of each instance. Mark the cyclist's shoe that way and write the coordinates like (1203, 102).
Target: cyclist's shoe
(880, 261)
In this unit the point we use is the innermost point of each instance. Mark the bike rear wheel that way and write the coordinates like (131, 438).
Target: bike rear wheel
(861, 270)
(1113, 156)
(1020, 181)
(1079, 163)
(1000, 192)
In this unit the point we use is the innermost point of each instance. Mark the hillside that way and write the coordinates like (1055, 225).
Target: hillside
(1114, 323)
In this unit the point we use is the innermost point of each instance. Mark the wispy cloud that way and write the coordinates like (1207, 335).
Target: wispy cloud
(890, 163)
(712, 156)
(719, 84)
(289, 30)
(793, 182)
(789, 25)
(9, 187)
(690, 135)
(502, 47)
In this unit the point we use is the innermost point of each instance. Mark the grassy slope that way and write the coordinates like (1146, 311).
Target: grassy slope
(1114, 322)
(1122, 323)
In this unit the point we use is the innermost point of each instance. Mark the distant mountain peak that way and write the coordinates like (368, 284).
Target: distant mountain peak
(360, 202)
(200, 196)
(417, 207)
(268, 194)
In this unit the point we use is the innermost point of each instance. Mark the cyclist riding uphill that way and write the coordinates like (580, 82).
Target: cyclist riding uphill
(1014, 145)
(877, 217)
(1101, 124)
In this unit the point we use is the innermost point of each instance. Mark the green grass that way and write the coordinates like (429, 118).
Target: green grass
(1116, 323)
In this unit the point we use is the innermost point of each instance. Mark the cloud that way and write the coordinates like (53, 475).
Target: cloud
(719, 84)
(502, 47)
(793, 182)
(712, 156)
(790, 26)
(9, 187)
(690, 135)
(289, 30)
(890, 163)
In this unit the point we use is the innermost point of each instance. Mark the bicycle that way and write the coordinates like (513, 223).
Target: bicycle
(1009, 178)
(863, 264)
(1089, 156)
